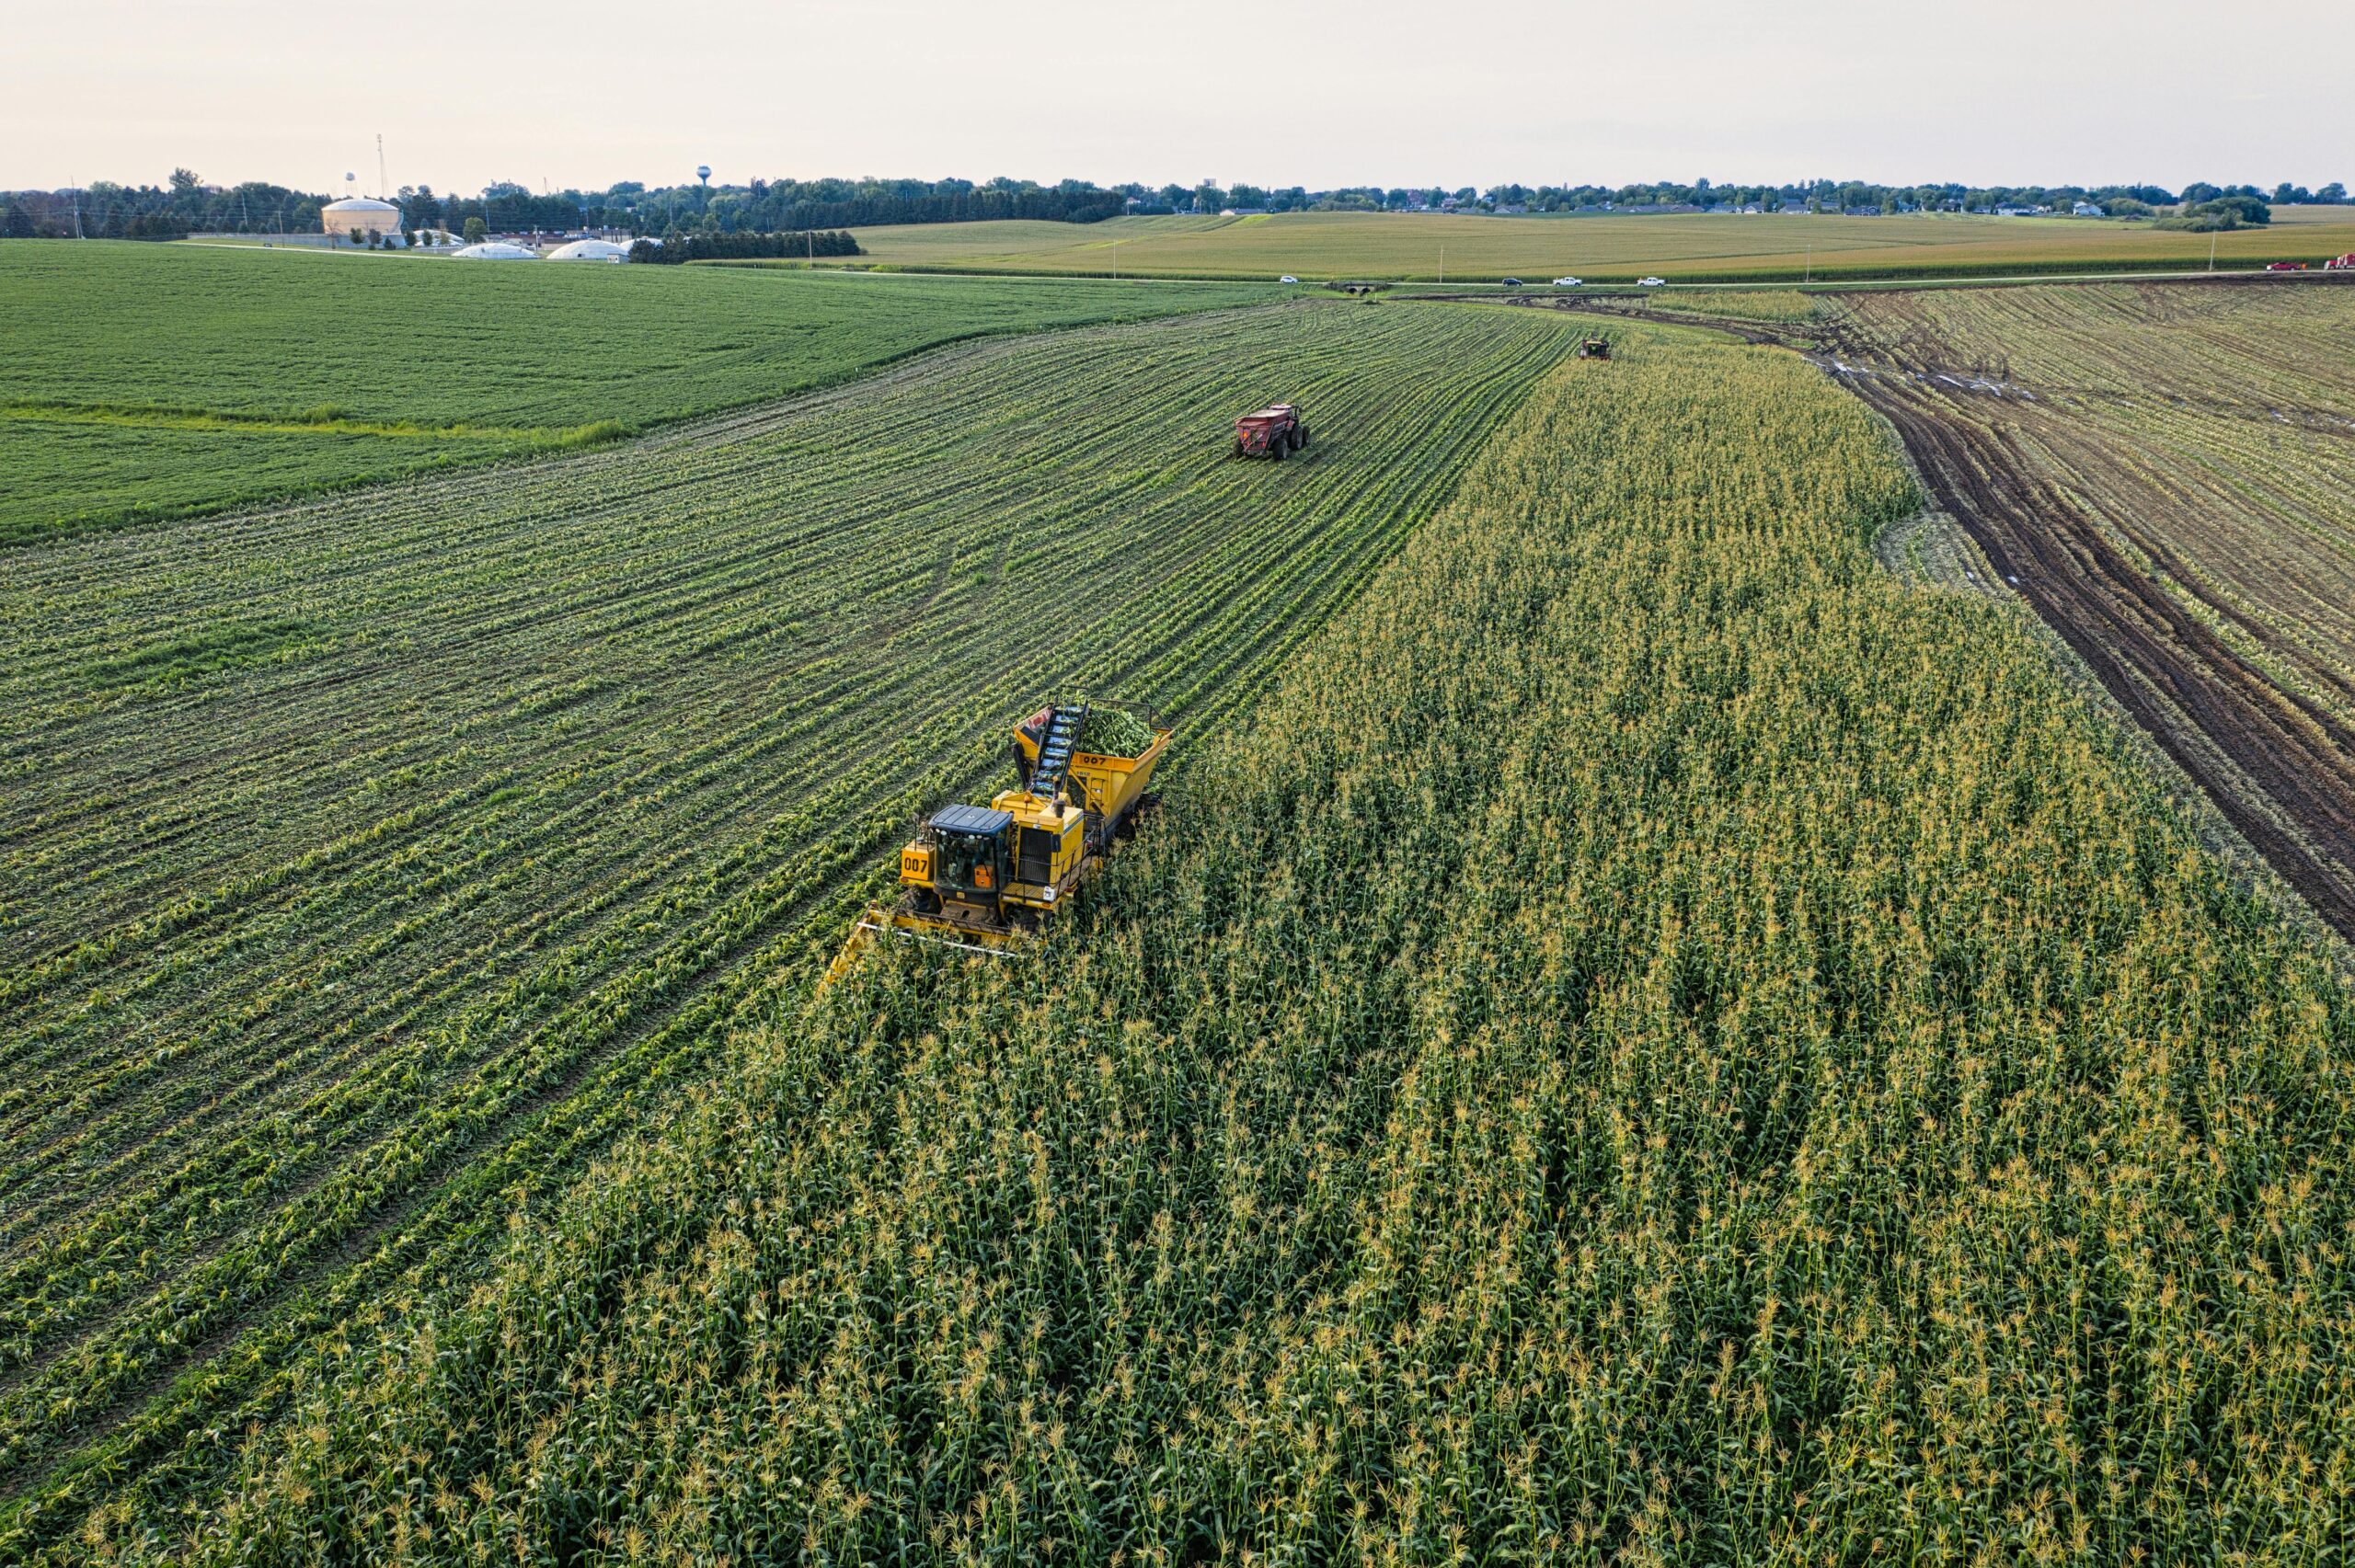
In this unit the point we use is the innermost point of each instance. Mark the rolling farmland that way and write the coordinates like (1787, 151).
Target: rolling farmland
(145, 381)
(1660, 1044)
(1480, 249)
(2167, 473)
(371, 860)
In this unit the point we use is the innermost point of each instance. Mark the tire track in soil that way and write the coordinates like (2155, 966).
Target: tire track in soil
(2137, 639)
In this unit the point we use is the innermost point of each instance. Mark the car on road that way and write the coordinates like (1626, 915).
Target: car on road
(2285, 266)
(1287, 278)
(1567, 282)
(1511, 282)
(1650, 282)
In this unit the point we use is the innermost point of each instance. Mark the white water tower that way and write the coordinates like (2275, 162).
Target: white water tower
(703, 173)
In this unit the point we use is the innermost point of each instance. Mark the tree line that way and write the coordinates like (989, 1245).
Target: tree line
(187, 205)
(810, 243)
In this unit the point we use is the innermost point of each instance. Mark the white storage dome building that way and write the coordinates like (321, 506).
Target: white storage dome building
(495, 250)
(590, 250)
(365, 213)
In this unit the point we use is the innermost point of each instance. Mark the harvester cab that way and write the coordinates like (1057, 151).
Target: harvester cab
(962, 856)
(1596, 348)
(979, 877)
(994, 869)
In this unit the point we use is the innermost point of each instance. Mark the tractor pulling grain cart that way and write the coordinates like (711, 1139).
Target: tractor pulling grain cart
(1270, 433)
(980, 878)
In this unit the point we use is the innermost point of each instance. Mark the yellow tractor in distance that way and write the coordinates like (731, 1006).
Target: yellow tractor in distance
(978, 878)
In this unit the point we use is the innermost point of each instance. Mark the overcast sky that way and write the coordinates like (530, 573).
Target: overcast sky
(1282, 92)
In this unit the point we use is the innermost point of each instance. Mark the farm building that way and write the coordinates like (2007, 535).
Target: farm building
(590, 250)
(367, 215)
(495, 250)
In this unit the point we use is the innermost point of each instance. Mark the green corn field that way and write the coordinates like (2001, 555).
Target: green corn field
(1651, 1042)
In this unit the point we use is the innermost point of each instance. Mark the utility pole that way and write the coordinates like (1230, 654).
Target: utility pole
(1442, 267)
(2211, 252)
(383, 188)
(1810, 261)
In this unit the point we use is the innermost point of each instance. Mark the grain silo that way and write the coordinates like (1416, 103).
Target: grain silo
(367, 215)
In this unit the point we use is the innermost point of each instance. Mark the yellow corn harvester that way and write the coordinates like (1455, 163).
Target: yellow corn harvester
(979, 878)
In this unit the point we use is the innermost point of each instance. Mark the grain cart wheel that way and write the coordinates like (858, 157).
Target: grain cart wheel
(1238, 448)
(1127, 828)
(1303, 434)
(1276, 449)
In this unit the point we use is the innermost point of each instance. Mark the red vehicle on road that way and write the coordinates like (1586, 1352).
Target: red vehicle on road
(1271, 432)
(2285, 266)
(2340, 263)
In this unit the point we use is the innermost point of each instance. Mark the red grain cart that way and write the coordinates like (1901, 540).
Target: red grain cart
(1271, 432)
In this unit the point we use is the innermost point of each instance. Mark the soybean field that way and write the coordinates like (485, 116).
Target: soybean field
(372, 861)
(148, 381)
(1660, 1043)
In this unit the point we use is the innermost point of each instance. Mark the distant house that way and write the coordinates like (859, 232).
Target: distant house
(2086, 210)
(1449, 203)
(2022, 212)
(1512, 208)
